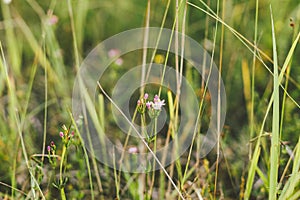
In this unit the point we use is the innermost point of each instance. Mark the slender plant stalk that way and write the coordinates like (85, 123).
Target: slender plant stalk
(274, 157)
(145, 49)
(246, 194)
(80, 20)
(61, 180)
(253, 78)
(117, 184)
(154, 162)
(178, 8)
(71, 15)
(45, 109)
(170, 133)
(219, 98)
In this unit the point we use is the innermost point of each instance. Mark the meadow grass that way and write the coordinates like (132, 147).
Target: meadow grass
(257, 154)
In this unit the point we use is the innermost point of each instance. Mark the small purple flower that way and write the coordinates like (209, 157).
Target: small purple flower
(113, 53)
(148, 104)
(156, 98)
(119, 61)
(61, 134)
(146, 96)
(53, 20)
(72, 133)
(158, 104)
(139, 102)
(52, 144)
(48, 148)
(133, 150)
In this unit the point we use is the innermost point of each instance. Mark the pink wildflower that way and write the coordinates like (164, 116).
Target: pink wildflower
(146, 96)
(133, 150)
(113, 53)
(148, 104)
(61, 134)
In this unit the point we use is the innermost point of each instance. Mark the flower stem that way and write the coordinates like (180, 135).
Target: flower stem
(62, 193)
(62, 187)
(154, 161)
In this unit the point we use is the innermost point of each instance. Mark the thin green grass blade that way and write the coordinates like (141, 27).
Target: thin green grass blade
(274, 157)
(80, 21)
(251, 172)
(262, 177)
(288, 57)
(294, 179)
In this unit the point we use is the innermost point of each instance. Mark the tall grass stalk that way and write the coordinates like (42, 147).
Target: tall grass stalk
(275, 153)
(219, 97)
(80, 20)
(45, 110)
(179, 23)
(76, 52)
(170, 133)
(253, 77)
(154, 162)
(117, 181)
(61, 180)
(253, 160)
(145, 49)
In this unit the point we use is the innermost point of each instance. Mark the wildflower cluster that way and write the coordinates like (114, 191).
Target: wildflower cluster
(51, 154)
(153, 107)
(66, 135)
